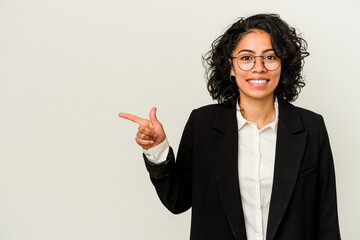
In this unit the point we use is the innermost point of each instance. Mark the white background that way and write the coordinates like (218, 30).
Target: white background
(69, 166)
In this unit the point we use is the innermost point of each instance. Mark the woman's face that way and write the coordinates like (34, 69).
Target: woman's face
(257, 83)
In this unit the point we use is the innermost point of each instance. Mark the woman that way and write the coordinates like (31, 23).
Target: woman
(253, 166)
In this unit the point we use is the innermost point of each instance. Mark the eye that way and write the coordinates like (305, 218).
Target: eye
(246, 58)
(270, 57)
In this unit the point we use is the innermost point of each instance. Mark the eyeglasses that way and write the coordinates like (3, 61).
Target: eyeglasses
(246, 61)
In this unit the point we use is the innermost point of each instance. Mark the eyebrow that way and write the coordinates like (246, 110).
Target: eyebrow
(251, 51)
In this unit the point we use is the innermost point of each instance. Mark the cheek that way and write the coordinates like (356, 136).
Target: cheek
(241, 75)
(277, 75)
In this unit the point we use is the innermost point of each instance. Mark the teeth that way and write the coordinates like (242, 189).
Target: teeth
(257, 81)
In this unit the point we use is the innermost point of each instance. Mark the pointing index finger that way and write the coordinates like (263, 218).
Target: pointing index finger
(133, 118)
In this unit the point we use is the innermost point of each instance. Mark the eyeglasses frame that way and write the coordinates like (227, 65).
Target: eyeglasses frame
(263, 57)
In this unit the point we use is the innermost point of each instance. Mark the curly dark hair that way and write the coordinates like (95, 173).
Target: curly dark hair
(288, 46)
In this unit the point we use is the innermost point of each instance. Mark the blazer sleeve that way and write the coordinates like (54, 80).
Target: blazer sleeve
(173, 179)
(328, 225)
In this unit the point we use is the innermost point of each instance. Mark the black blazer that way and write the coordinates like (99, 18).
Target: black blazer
(205, 177)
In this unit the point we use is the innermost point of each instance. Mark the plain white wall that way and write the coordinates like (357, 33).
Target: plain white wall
(69, 167)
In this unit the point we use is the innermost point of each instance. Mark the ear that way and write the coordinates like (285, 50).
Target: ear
(232, 72)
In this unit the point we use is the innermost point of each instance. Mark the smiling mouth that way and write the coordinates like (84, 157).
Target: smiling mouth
(258, 82)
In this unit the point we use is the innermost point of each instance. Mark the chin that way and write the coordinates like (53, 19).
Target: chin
(258, 95)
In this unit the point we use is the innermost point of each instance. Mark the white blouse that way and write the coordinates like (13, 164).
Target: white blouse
(256, 158)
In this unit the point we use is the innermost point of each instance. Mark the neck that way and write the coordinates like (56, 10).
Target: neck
(258, 111)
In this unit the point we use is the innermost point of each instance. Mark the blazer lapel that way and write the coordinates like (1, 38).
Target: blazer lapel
(225, 165)
(290, 145)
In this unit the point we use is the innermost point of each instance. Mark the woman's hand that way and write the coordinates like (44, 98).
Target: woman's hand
(150, 133)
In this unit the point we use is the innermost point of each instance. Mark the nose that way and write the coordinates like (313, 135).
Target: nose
(259, 65)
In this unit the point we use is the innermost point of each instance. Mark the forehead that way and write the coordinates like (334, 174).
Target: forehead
(256, 40)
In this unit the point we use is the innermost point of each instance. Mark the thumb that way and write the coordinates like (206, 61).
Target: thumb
(152, 116)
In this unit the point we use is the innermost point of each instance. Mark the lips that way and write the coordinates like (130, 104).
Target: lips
(257, 82)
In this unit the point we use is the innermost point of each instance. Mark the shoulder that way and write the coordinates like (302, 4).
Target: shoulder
(309, 118)
(308, 115)
(206, 116)
(211, 110)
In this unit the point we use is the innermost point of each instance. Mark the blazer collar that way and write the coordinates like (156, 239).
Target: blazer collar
(224, 117)
(225, 155)
(289, 117)
(290, 145)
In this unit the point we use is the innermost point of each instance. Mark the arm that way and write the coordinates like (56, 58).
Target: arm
(173, 180)
(328, 225)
